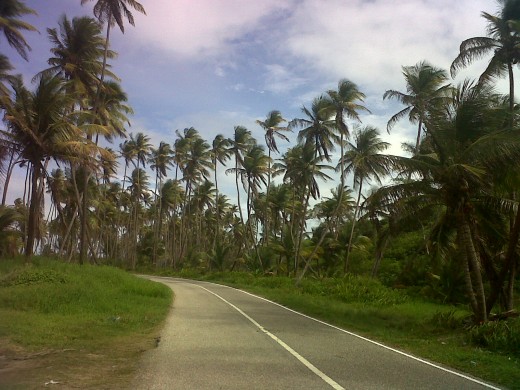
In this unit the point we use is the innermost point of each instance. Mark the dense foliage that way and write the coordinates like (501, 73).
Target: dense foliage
(445, 218)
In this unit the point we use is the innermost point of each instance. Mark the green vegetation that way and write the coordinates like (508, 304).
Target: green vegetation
(53, 306)
(445, 226)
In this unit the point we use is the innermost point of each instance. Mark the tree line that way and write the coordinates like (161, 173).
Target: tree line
(456, 185)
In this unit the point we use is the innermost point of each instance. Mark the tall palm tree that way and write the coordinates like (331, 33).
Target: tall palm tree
(220, 153)
(161, 160)
(302, 168)
(38, 125)
(112, 12)
(241, 141)
(318, 132)
(11, 25)
(345, 102)
(273, 130)
(469, 145)
(364, 159)
(316, 128)
(425, 87)
(252, 172)
(502, 41)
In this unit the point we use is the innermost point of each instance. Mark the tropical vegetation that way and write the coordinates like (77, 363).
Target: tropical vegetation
(444, 220)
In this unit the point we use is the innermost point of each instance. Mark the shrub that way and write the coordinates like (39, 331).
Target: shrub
(500, 336)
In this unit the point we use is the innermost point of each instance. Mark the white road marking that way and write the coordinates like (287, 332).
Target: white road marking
(302, 360)
(489, 386)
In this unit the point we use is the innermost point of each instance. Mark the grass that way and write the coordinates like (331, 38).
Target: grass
(85, 317)
(441, 333)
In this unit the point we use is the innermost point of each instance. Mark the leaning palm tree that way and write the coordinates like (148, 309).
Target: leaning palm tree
(364, 159)
(425, 87)
(273, 130)
(11, 25)
(502, 41)
(113, 12)
(38, 124)
(455, 178)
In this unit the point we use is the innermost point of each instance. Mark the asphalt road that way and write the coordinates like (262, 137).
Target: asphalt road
(217, 337)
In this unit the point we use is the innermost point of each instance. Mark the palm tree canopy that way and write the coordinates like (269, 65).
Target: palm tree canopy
(317, 129)
(502, 41)
(78, 48)
(10, 24)
(363, 157)
(115, 11)
(425, 87)
(346, 102)
(272, 128)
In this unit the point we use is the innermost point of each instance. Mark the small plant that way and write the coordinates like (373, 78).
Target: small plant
(446, 320)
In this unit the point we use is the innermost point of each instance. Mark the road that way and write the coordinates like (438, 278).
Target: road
(217, 337)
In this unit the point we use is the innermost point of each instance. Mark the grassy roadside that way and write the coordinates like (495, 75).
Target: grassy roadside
(429, 330)
(81, 326)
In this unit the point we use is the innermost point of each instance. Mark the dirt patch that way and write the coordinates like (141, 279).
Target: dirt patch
(107, 367)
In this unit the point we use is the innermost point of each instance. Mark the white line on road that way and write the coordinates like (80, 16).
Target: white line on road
(489, 386)
(304, 361)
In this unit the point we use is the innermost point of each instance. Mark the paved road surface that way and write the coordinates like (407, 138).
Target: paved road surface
(217, 337)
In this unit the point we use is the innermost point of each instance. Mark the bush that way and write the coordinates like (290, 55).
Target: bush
(499, 336)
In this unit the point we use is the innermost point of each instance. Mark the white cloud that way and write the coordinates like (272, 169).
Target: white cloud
(189, 28)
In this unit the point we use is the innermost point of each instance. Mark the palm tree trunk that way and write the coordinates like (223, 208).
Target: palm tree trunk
(8, 173)
(217, 211)
(300, 235)
(473, 275)
(266, 214)
(349, 248)
(418, 141)
(33, 211)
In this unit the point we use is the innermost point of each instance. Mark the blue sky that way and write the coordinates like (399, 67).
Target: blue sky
(215, 64)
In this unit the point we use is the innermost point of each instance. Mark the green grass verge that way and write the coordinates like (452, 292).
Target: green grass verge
(434, 331)
(50, 305)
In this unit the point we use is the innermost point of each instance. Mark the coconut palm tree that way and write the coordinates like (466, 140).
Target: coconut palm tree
(38, 124)
(77, 51)
(302, 168)
(253, 172)
(426, 86)
(317, 131)
(273, 130)
(346, 103)
(502, 41)
(242, 140)
(112, 12)
(469, 145)
(11, 25)
(364, 159)
(161, 159)
(220, 153)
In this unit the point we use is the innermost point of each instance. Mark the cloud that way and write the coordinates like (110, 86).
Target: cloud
(206, 28)
(278, 79)
(368, 42)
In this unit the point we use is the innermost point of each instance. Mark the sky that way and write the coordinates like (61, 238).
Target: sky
(216, 64)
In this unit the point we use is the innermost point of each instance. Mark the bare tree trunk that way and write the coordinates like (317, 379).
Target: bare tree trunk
(349, 248)
(472, 269)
